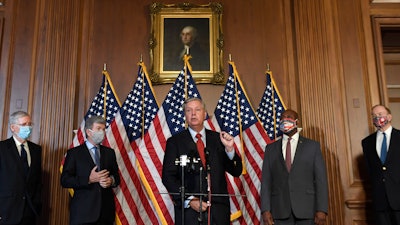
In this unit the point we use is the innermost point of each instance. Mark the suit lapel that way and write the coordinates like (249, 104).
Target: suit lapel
(394, 141)
(12, 147)
(280, 152)
(299, 150)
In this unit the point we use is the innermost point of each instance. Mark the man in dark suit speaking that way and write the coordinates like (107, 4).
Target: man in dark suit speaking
(382, 156)
(91, 170)
(294, 188)
(20, 174)
(217, 156)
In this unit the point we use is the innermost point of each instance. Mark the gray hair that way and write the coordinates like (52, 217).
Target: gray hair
(92, 120)
(16, 115)
(192, 30)
(191, 100)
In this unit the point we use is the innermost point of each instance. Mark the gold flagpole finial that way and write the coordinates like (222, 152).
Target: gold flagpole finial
(268, 68)
(141, 57)
(230, 58)
(105, 67)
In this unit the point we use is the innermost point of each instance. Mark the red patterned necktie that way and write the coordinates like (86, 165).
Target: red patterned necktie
(200, 149)
(288, 155)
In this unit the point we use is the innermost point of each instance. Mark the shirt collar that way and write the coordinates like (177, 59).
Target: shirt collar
(193, 133)
(387, 131)
(295, 136)
(89, 145)
(18, 143)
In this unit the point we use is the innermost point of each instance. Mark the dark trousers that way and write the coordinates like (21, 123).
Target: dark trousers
(292, 220)
(29, 217)
(193, 218)
(389, 217)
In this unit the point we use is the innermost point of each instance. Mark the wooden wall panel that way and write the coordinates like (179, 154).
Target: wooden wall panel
(319, 79)
(57, 84)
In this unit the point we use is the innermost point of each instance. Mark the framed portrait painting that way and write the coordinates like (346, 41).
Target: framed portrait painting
(179, 29)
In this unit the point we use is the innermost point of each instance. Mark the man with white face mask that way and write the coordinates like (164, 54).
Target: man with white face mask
(20, 174)
(382, 157)
(294, 188)
(91, 170)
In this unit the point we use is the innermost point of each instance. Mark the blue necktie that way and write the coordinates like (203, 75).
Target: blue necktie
(24, 159)
(96, 157)
(383, 148)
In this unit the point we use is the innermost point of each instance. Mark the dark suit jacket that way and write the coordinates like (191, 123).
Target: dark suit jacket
(304, 190)
(90, 201)
(385, 178)
(183, 144)
(14, 187)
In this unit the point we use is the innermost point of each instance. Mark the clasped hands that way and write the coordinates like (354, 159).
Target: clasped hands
(102, 176)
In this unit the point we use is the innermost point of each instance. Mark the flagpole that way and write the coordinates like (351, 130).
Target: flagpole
(143, 102)
(244, 171)
(105, 92)
(269, 72)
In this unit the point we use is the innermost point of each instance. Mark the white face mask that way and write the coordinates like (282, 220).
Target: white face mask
(97, 136)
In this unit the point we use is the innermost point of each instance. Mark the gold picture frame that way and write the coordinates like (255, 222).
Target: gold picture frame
(168, 22)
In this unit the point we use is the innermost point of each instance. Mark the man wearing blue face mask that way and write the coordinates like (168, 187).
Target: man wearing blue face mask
(382, 157)
(294, 188)
(91, 170)
(20, 174)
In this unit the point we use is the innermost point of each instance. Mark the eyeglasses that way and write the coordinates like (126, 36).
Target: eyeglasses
(25, 124)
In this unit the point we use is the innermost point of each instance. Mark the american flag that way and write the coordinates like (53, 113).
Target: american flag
(105, 103)
(168, 121)
(235, 115)
(270, 109)
(125, 132)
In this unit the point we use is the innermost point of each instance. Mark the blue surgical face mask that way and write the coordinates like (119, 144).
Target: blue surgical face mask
(24, 132)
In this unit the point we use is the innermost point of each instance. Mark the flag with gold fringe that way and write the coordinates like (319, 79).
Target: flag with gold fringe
(235, 115)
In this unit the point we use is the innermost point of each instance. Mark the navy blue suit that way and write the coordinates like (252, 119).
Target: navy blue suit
(90, 202)
(385, 178)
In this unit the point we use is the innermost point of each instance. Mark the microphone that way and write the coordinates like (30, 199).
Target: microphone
(192, 161)
(207, 155)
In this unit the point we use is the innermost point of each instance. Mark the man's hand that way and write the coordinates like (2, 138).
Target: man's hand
(227, 140)
(97, 176)
(195, 205)
(267, 218)
(320, 218)
(106, 182)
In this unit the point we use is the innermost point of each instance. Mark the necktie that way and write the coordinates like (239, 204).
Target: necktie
(288, 155)
(96, 157)
(383, 148)
(200, 149)
(24, 159)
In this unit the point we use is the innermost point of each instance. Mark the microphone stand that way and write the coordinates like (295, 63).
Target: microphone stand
(183, 160)
(200, 219)
(207, 153)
